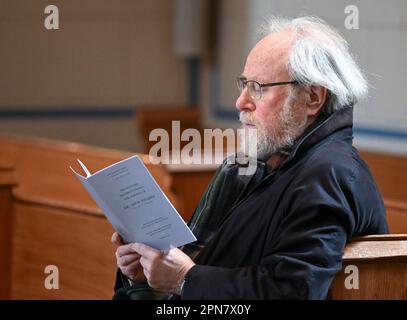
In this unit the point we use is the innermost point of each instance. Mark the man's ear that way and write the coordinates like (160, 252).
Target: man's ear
(317, 96)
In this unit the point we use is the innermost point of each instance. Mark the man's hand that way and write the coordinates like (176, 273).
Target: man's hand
(164, 271)
(128, 260)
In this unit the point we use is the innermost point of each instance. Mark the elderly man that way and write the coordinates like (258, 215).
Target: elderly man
(279, 234)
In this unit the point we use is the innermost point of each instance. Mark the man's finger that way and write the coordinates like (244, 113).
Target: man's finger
(132, 267)
(146, 273)
(117, 239)
(145, 262)
(128, 259)
(145, 250)
(125, 249)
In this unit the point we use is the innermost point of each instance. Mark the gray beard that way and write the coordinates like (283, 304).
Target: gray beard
(261, 143)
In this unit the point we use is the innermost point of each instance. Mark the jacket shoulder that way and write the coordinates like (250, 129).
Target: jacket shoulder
(339, 160)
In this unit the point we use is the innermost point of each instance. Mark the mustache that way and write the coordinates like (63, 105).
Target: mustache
(246, 117)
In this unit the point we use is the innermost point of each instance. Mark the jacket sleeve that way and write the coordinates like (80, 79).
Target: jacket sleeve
(121, 280)
(299, 260)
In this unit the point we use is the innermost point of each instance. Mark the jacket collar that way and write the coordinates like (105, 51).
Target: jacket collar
(321, 128)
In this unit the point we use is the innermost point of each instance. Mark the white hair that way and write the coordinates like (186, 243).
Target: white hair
(320, 56)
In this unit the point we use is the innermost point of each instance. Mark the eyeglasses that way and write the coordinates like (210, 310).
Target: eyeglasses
(255, 88)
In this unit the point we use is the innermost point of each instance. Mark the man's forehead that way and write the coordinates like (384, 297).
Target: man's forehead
(270, 54)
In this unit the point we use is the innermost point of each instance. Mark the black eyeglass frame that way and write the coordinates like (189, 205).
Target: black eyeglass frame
(261, 85)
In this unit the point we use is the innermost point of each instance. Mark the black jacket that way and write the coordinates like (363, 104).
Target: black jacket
(282, 235)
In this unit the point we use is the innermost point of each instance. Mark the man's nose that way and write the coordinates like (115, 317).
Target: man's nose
(245, 102)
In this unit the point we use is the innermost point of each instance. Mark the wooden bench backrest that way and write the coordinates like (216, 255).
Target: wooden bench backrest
(390, 173)
(76, 241)
(396, 216)
(378, 264)
(8, 180)
(152, 117)
(43, 168)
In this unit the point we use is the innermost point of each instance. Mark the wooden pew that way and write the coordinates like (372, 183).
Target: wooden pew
(8, 180)
(396, 216)
(381, 262)
(75, 240)
(43, 167)
(149, 118)
(390, 173)
(55, 222)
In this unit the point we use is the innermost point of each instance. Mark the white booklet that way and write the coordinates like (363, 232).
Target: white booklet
(135, 205)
